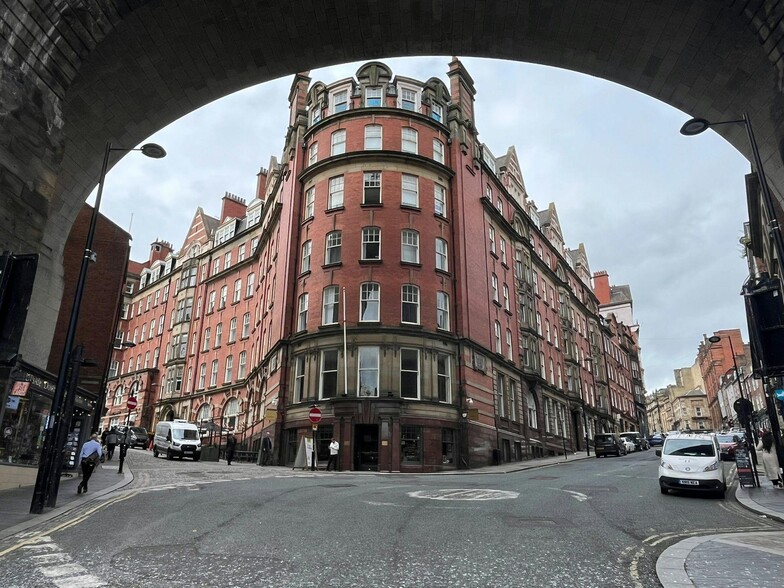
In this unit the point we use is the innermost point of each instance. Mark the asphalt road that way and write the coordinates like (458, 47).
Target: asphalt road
(597, 522)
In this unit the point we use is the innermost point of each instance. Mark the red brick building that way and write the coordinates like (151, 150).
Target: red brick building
(390, 270)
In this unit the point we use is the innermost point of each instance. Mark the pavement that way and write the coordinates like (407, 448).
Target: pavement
(15, 514)
(726, 560)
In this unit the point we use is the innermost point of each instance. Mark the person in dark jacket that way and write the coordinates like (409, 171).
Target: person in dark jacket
(111, 442)
(266, 449)
(231, 446)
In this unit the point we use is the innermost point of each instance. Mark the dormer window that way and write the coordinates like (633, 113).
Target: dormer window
(315, 114)
(373, 96)
(437, 112)
(408, 99)
(340, 101)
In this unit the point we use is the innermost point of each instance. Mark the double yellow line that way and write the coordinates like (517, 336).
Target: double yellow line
(67, 524)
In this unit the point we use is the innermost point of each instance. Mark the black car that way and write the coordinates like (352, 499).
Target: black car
(137, 436)
(608, 444)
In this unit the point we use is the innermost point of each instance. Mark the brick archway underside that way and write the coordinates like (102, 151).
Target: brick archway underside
(78, 73)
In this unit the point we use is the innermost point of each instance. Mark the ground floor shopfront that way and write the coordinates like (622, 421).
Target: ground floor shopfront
(27, 394)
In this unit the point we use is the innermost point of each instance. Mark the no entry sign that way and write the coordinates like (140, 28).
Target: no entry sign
(315, 415)
(131, 404)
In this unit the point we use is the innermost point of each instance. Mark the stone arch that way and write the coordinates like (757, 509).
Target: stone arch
(74, 76)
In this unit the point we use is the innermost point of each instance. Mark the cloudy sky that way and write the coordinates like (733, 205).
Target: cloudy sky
(656, 210)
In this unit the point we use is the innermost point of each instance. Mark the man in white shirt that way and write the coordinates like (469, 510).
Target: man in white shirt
(334, 448)
(88, 458)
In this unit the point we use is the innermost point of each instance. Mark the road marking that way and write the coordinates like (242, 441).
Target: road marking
(58, 566)
(579, 496)
(464, 494)
(667, 536)
(634, 571)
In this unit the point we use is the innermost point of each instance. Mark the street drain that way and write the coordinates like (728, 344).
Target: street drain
(337, 485)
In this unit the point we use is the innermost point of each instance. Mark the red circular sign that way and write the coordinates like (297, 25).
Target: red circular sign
(131, 404)
(315, 415)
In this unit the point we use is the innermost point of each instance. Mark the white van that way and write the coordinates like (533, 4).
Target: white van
(177, 437)
(691, 462)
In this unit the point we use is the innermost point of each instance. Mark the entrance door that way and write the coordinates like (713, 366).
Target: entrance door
(366, 448)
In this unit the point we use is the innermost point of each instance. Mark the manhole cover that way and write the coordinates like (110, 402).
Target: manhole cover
(524, 522)
(465, 494)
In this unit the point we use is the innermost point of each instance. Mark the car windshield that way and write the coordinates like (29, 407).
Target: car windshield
(689, 447)
(190, 434)
(139, 430)
(726, 438)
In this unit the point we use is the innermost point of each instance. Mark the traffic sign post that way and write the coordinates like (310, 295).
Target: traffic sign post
(315, 417)
(132, 402)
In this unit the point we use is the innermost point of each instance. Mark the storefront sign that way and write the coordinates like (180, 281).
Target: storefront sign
(20, 388)
(12, 403)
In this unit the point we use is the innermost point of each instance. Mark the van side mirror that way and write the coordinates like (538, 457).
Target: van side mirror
(658, 453)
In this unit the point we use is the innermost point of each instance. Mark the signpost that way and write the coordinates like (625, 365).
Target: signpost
(315, 417)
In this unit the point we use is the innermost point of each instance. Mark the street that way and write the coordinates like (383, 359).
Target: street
(594, 522)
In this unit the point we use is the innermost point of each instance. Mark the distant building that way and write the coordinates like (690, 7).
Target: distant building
(392, 271)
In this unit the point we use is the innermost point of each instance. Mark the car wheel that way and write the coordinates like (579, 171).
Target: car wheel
(169, 455)
(155, 452)
(663, 489)
(196, 457)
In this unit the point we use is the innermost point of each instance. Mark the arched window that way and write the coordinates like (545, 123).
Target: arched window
(118, 396)
(531, 406)
(204, 416)
(230, 413)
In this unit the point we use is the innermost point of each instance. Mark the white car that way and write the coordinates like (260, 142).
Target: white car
(691, 462)
(629, 444)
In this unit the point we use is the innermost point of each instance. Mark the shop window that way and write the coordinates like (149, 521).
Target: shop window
(411, 449)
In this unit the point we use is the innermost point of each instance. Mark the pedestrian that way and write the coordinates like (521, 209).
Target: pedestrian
(231, 446)
(334, 448)
(123, 449)
(770, 461)
(266, 449)
(104, 433)
(111, 442)
(88, 458)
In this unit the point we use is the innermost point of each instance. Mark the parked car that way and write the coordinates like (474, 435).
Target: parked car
(137, 436)
(691, 462)
(635, 437)
(608, 444)
(629, 445)
(656, 440)
(728, 442)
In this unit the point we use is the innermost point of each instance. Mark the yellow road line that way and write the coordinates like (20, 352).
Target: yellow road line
(66, 524)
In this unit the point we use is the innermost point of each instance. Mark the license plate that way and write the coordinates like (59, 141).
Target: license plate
(188, 450)
(689, 482)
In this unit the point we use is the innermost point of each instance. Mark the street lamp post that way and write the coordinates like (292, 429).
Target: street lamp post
(50, 452)
(747, 419)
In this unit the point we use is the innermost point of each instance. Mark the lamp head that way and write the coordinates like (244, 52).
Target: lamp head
(153, 150)
(695, 126)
